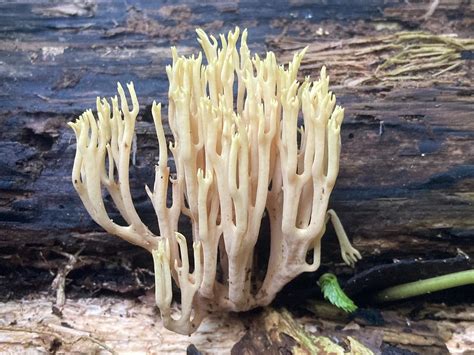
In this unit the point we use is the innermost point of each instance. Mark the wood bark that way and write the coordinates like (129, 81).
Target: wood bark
(405, 188)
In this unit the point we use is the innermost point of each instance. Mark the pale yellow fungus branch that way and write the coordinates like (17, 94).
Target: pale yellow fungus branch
(107, 141)
(240, 150)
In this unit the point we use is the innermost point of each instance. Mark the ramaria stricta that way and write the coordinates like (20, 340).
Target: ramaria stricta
(239, 154)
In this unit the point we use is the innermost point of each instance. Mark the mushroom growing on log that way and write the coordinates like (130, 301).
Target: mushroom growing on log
(235, 160)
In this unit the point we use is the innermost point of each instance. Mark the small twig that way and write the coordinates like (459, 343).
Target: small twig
(46, 262)
(379, 48)
(45, 98)
(59, 282)
(434, 4)
(282, 34)
(406, 78)
(381, 128)
(417, 68)
(455, 65)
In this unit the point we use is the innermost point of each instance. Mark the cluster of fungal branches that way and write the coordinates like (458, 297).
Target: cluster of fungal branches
(240, 153)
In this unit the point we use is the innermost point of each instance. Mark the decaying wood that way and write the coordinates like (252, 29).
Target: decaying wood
(97, 325)
(279, 332)
(380, 60)
(419, 329)
(405, 149)
(405, 188)
(108, 325)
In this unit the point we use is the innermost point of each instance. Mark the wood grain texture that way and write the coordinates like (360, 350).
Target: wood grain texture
(127, 326)
(405, 188)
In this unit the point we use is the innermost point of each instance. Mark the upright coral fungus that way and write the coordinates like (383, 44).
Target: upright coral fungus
(239, 153)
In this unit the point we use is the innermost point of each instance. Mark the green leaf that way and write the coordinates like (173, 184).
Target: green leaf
(334, 293)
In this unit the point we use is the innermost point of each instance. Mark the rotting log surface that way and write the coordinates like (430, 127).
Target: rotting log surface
(405, 188)
(434, 329)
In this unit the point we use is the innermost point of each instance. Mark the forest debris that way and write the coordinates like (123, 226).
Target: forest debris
(440, 312)
(403, 56)
(139, 23)
(59, 282)
(404, 338)
(124, 325)
(67, 80)
(431, 9)
(49, 53)
(174, 28)
(276, 332)
(462, 341)
(128, 326)
(323, 309)
(49, 127)
(80, 8)
(358, 348)
(181, 13)
(400, 328)
(64, 339)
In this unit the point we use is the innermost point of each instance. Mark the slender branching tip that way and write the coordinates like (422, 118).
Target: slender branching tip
(323, 72)
(304, 50)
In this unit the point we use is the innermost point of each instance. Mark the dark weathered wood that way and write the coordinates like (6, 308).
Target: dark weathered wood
(405, 193)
